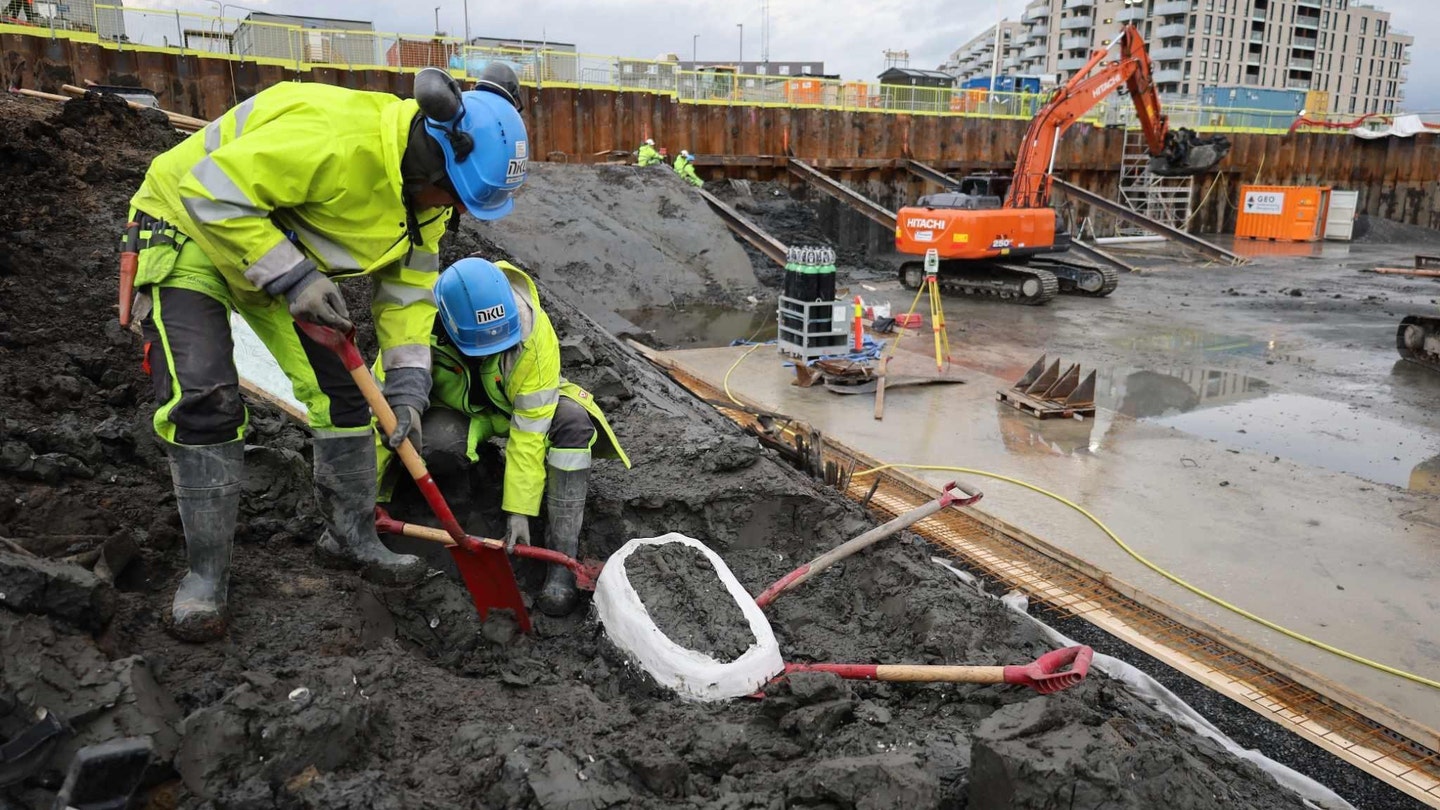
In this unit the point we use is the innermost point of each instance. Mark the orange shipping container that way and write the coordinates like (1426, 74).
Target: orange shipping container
(1282, 213)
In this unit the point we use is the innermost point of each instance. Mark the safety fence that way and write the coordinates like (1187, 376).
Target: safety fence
(302, 44)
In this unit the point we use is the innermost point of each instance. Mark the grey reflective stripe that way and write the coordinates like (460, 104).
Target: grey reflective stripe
(334, 256)
(230, 202)
(529, 425)
(203, 210)
(403, 295)
(241, 113)
(562, 459)
(212, 136)
(414, 355)
(278, 261)
(537, 399)
(423, 261)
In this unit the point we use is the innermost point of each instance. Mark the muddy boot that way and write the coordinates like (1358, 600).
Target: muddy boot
(207, 493)
(564, 512)
(345, 487)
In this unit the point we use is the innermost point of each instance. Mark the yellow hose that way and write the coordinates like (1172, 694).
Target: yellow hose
(1137, 556)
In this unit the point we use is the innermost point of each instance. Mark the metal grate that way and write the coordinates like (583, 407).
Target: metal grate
(1009, 558)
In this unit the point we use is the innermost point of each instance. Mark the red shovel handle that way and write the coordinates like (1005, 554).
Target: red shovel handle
(1048, 674)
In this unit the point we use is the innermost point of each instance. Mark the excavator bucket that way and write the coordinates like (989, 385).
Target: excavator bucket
(1188, 154)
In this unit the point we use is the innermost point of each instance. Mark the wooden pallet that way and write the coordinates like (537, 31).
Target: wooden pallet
(1039, 408)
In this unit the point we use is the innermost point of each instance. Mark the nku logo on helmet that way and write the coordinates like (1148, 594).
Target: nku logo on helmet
(495, 313)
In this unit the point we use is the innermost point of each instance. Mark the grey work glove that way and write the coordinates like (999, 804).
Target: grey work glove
(314, 298)
(408, 392)
(517, 531)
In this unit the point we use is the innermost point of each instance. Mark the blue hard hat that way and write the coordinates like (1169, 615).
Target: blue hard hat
(689, 158)
(486, 152)
(477, 308)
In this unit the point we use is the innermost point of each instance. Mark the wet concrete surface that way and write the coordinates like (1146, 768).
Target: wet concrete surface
(1268, 447)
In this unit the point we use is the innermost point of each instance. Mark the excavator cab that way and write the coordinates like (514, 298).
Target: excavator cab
(1187, 154)
(976, 192)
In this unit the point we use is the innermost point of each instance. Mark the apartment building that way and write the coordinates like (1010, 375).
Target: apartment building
(1343, 53)
(977, 57)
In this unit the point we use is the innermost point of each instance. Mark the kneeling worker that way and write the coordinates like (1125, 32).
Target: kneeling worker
(495, 362)
(687, 171)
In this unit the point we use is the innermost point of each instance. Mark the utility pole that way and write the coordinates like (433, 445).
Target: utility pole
(995, 63)
(765, 31)
(437, 21)
(466, 44)
(694, 50)
(741, 26)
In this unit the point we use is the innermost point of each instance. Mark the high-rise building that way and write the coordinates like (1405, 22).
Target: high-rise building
(977, 57)
(1342, 53)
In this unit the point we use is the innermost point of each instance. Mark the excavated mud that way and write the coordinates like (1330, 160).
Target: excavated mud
(685, 598)
(608, 238)
(333, 693)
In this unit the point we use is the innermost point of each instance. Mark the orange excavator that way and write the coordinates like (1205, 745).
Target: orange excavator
(992, 235)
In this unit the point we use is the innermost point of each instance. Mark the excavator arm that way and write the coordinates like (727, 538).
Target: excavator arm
(1173, 152)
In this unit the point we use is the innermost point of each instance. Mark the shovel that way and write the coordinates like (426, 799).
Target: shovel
(1047, 674)
(585, 571)
(948, 497)
(485, 570)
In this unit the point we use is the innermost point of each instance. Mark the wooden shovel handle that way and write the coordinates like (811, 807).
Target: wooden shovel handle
(910, 673)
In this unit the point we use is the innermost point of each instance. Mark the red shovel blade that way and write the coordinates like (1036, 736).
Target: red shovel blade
(1047, 675)
(491, 582)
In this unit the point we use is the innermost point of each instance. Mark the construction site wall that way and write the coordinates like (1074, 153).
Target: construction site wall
(1396, 177)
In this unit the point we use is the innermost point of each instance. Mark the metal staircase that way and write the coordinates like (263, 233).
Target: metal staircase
(1164, 199)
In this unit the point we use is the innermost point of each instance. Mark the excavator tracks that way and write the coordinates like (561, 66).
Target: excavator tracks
(1019, 283)
(1078, 278)
(1418, 340)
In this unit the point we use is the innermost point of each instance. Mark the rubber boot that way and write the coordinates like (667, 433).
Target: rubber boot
(207, 493)
(345, 486)
(565, 512)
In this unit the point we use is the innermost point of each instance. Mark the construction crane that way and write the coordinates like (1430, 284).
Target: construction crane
(992, 234)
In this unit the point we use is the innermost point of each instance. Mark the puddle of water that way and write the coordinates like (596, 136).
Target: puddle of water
(703, 325)
(1316, 432)
(1144, 393)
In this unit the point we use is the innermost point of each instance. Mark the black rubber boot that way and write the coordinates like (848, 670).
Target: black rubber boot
(207, 493)
(565, 512)
(345, 486)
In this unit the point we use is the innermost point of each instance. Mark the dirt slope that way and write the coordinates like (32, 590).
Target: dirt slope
(611, 238)
(333, 693)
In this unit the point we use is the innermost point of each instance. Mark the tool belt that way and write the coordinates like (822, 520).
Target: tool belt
(142, 232)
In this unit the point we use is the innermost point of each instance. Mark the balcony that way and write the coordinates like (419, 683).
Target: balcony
(1169, 76)
(1011, 62)
(1172, 8)
(1170, 54)
(1036, 13)
(1171, 31)
(1034, 52)
(1133, 14)
(1039, 31)
(1307, 22)
(1074, 4)
(1297, 84)
(1302, 64)
(1076, 23)
(1258, 15)
(1257, 36)
(1307, 43)
(1308, 3)
(1253, 58)
(1075, 43)
(1073, 63)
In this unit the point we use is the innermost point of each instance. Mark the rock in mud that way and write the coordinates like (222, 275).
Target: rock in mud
(879, 782)
(66, 591)
(686, 599)
(45, 668)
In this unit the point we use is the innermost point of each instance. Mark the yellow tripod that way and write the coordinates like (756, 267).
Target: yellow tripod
(930, 286)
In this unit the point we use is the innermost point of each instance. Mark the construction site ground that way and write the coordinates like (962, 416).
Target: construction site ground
(331, 692)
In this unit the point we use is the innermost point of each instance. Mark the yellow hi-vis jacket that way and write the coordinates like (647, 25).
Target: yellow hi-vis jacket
(308, 170)
(513, 394)
(648, 155)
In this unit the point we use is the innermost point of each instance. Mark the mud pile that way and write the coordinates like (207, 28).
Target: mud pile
(807, 218)
(330, 692)
(611, 238)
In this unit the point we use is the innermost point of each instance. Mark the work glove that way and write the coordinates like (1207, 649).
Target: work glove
(407, 390)
(313, 298)
(518, 531)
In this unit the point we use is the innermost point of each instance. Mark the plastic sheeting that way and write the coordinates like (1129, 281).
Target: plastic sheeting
(1401, 126)
(1157, 696)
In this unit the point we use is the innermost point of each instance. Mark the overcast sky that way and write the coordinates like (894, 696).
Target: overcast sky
(849, 35)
